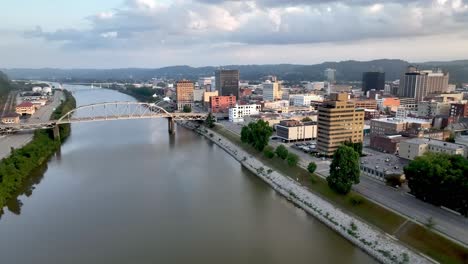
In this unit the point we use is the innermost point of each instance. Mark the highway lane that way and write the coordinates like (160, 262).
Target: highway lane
(398, 200)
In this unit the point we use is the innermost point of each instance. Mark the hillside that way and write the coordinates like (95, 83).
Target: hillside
(346, 71)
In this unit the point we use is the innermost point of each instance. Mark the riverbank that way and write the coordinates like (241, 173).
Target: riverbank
(418, 237)
(17, 167)
(377, 244)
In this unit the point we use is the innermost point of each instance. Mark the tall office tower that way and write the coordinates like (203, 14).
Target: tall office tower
(330, 75)
(227, 82)
(338, 121)
(373, 80)
(184, 92)
(272, 91)
(418, 84)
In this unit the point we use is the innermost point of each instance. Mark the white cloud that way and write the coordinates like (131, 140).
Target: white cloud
(111, 34)
(203, 26)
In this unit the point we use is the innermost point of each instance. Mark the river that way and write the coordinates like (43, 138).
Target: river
(128, 192)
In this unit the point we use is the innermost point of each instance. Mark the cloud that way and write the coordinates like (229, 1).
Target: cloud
(185, 23)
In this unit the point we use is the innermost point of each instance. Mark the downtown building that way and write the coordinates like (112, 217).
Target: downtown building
(330, 75)
(373, 81)
(338, 121)
(272, 91)
(227, 82)
(237, 113)
(184, 94)
(419, 84)
(221, 104)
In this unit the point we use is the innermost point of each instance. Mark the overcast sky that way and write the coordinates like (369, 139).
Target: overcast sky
(155, 33)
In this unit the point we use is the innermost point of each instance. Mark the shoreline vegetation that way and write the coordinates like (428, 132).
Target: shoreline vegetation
(18, 167)
(416, 236)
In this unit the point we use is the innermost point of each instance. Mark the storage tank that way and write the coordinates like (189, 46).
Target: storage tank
(37, 89)
(47, 90)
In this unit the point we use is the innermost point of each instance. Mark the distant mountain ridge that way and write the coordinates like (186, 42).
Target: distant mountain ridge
(346, 71)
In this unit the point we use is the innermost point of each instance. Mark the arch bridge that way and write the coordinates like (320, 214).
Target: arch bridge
(106, 112)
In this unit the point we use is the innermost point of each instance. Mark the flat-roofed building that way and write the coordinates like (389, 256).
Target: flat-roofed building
(279, 106)
(237, 113)
(304, 99)
(382, 167)
(391, 103)
(371, 114)
(393, 126)
(25, 108)
(272, 91)
(221, 104)
(206, 97)
(367, 104)
(415, 147)
(418, 84)
(338, 121)
(433, 108)
(294, 130)
(227, 82)
(388, 144)
(373, 80)
(184, 94)
(445, 97)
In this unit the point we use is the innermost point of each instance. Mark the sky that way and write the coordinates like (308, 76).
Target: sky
(157, 33)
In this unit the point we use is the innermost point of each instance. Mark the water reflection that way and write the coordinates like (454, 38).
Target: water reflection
(14, 204)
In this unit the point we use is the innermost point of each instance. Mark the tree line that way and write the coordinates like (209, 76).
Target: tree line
(17, 167)
(440, 179)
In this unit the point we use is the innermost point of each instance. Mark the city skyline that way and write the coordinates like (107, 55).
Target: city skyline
(151, 33)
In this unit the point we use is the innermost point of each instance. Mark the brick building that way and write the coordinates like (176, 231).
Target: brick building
(387, 144)
(184, 93)
(221, 104)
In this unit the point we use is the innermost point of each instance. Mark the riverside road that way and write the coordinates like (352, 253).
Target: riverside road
(398, 200)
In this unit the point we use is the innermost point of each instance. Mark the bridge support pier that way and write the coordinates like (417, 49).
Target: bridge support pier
(56, 132)
(171, 125)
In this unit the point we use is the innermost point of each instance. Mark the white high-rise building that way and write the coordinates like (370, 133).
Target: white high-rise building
(272, 91)
(237, 113)
(213, 83)
(330, 75)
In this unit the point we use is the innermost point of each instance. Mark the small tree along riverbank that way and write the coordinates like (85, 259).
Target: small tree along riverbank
(18, 166)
